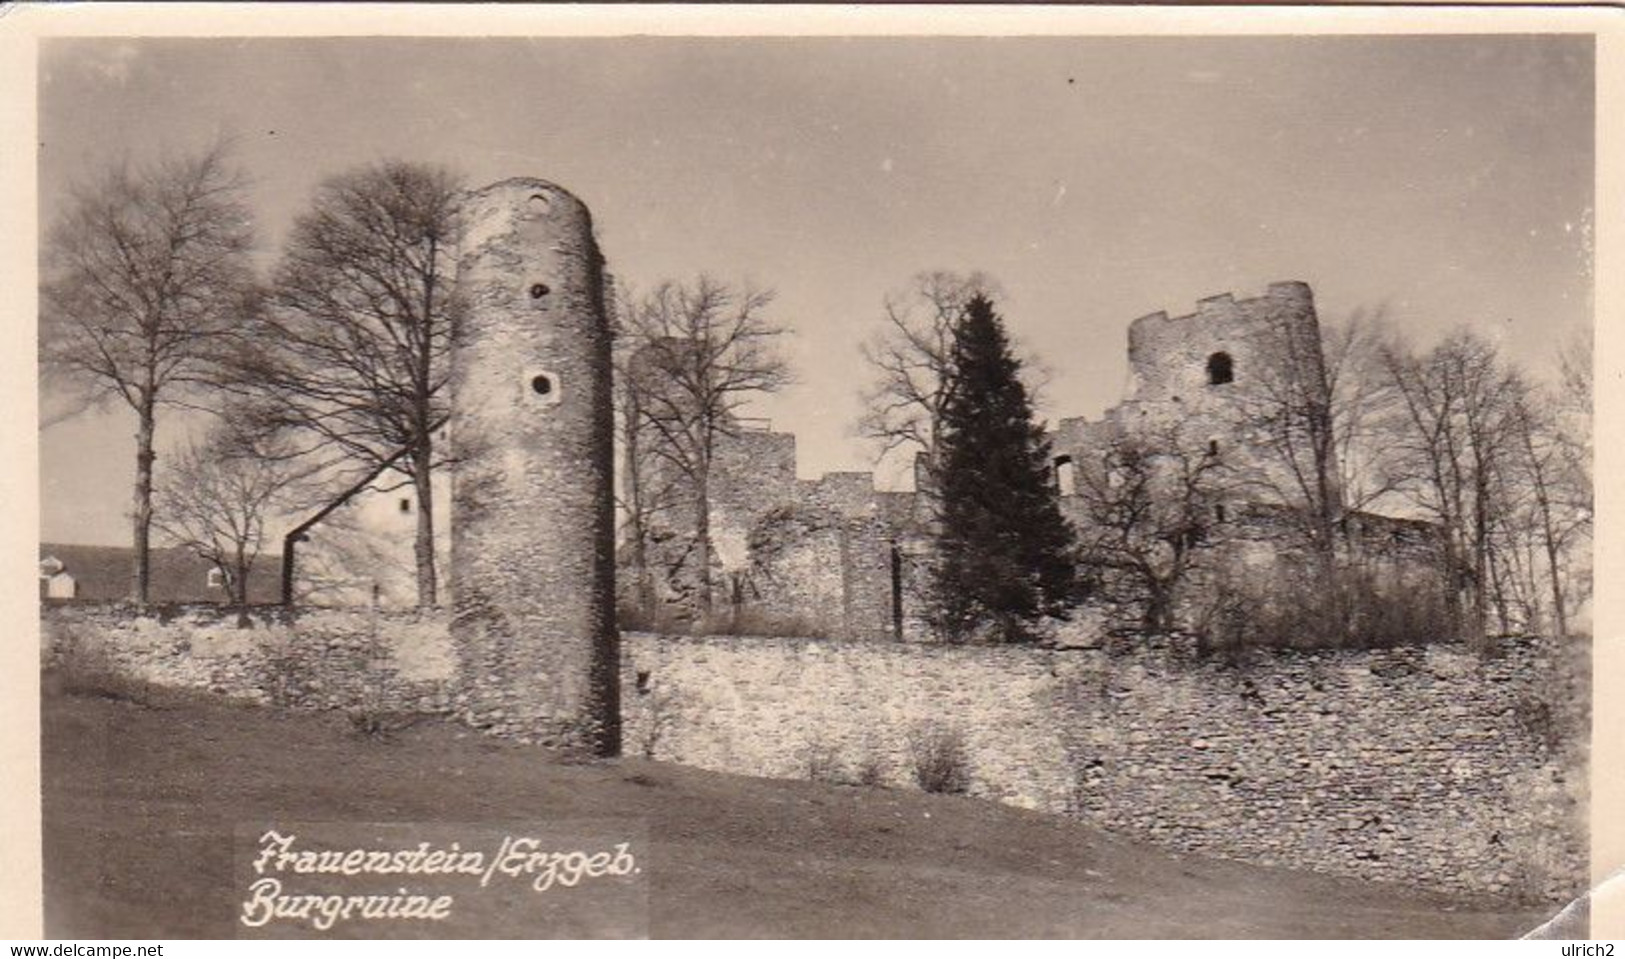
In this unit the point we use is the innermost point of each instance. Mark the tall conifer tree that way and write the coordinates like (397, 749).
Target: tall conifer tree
(1006, 554)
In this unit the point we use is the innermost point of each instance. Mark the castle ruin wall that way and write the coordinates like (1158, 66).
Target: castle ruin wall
(1429, 767)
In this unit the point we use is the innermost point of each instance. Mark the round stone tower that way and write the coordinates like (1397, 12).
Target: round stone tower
(532, 541)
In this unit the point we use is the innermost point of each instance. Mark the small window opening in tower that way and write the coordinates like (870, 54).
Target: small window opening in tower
(406, 505)
(1213, 447)
(539, 290)
(541, 384)
(1218, 512)
(1220, 369)
(1066, 477)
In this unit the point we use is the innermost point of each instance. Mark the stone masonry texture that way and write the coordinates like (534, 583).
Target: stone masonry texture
(349, 659)
(1434, 767)
(532, 497)
(1426, 766)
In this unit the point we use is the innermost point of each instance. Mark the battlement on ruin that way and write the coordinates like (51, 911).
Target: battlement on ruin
(1226, 305)
(1214, 372)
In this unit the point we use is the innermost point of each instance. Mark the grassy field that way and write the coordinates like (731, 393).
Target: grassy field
(142, 800)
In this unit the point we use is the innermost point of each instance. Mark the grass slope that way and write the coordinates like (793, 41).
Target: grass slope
(141, 802)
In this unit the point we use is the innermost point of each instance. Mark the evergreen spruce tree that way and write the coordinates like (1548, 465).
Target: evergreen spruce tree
(1005, 552)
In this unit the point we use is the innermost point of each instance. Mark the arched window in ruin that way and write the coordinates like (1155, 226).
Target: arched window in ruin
(1066, 476)
(1220, 369)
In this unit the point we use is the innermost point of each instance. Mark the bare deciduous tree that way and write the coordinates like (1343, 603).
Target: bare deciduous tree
(701, 351)
(1454, 428)
(1361, 398)
(644, 495)
(912, 357)
(353, 347)
(144, 272)
(1150, 506)
(1315, 404)
(1574, 491)
(216, 499)
(1552, 496)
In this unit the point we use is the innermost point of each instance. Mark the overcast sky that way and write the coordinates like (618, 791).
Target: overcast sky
(1099, 179)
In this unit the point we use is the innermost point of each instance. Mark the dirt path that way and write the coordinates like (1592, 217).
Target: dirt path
(141, 804)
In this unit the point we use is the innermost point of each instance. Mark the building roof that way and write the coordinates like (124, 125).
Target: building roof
(105, 573)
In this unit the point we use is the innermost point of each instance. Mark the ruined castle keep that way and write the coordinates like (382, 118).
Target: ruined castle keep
(532, 500)
(1216, 383)
(1207, 379)
(837, 557)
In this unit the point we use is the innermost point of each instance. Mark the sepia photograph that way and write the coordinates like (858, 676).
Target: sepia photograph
(926, 484)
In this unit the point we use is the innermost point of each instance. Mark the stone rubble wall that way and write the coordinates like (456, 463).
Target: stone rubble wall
(1429, 766)
(1432, 767)
(351, 659)
(796, 558)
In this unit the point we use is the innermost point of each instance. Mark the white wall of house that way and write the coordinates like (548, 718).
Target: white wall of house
(364, 550)
(61, 586)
